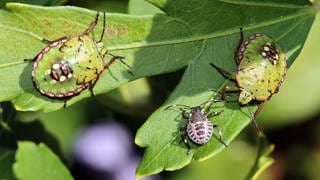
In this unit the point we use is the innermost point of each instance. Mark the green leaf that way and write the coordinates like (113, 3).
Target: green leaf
(214, 28)
(142, 7)
(6, 161)
(232, 163)
(8, 113)
(38, 162)
(23, 27)
(191, 34)
(72, 120)
(6, 152)
(263, 161)
(109, 6)
(38, 2)
(299, 97)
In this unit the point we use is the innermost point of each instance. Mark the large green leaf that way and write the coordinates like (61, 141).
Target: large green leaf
(6, 161)
(38, 2)
(263, 159)
(232, 163)
(191, 33)
(24, 26)
(214, 28)
(6, 152)
(38, 162)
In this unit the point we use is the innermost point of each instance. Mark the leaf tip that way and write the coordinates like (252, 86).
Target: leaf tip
(139, 176)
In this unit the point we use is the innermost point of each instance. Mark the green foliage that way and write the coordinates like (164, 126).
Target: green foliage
(6, 153)
(36, 2)
(232, 163)
(288, 24)
(186, 35)
(126, 35)
(262, 161)
(38, 162)
(301, 78)
(6, 161)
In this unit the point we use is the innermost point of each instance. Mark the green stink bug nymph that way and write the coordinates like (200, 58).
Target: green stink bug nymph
(69, 65)
(260, 72)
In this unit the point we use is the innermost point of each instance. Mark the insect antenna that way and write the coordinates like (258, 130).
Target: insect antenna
(119, 58)
(221, 139)
(178, 105)
(211, 104)
(104, 26)
(236, 50)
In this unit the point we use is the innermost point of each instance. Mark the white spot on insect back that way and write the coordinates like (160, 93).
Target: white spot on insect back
(73, 61)
(274, 62)
(62, 78)
(266, 48)
(69, 76)
(53, 81)
(55, 66)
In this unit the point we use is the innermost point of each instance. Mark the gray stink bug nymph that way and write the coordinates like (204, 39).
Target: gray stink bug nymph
(199, 129)
(69, 65)
(261, 69)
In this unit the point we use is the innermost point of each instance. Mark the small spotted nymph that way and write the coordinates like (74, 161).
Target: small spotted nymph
(69, 65)
(199, 128)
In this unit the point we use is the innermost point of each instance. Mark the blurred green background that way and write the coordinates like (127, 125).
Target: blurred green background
(291, 119)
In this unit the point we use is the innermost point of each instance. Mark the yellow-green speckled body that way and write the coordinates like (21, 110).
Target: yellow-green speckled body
(67, 66)
(261, 68)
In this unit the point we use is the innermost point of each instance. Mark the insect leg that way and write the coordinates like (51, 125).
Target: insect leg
(220, 135)
(254, 115)
(46, 41)
(28, 59)
(225, 73)
(65, 103)
(211, 104)
(213, 113)
(92, 84)
(184, 137)
(92, 25)
(178, 105)
(91, 89)
(104, 26)
(184, 113)
(236, 50)
(261, 106)
(114, 58)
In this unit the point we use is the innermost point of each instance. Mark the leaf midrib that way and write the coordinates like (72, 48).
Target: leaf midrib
(207, 36)
(264, 4)
(194, 38)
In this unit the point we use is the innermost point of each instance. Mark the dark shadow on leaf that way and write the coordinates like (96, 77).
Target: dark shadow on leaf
(28, 131)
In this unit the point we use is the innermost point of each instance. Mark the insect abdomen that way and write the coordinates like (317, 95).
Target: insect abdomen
(200, 132)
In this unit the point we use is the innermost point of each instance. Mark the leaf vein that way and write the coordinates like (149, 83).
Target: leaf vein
(264, 4)
(204, 36)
